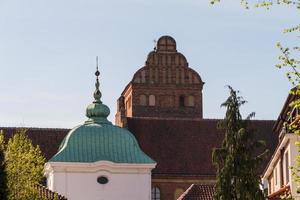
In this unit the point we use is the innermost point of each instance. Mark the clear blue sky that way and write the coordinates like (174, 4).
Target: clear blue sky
(48, 49)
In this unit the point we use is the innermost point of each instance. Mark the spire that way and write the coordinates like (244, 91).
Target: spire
(97, 93)
(97, 112)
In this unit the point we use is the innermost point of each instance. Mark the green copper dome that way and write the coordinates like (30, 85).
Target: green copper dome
(97, 139)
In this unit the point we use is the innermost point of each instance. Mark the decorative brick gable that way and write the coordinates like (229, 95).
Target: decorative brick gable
(164, 88)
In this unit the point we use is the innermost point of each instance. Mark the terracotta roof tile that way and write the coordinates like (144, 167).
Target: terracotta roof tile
(198, 192)
(48, 139)
(180, 147)
(184, 147)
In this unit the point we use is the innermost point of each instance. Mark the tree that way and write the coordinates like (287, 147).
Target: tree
(3, 180)
(289, 59)
(24, 167)
(237, 160)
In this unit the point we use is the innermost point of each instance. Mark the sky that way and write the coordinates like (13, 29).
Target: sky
(48, 51)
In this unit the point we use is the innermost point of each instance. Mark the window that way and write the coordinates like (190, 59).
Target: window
(143, 100)
(102, 180)
(181, 101)
(287, 170)
(191, 101)
(155, 193)
(151, 100)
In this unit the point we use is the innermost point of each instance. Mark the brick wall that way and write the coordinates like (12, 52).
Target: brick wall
(166, 87)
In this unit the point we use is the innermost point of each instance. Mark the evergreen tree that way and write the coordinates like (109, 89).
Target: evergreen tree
(237, 161)
(3, 180)
(24, 167)
(289, 59)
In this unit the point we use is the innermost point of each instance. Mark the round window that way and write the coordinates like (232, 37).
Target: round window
(102, 180)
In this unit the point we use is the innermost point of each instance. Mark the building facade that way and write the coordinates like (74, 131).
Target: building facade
(162, 107)
(277, 177)
(165, 88)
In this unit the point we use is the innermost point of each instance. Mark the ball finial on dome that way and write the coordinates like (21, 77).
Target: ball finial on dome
(97, 112)
(97, 93)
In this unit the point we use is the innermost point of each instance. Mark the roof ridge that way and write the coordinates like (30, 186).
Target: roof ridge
(193, 120)
(32, 128)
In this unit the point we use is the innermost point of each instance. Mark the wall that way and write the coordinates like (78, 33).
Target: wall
(277, 179)
(133, 184)
(293, 155)
(167, 76)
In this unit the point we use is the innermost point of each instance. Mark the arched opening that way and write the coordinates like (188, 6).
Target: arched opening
(143, 100)
(181, 101)
(191, 101)
(155, 193)
(151, 100)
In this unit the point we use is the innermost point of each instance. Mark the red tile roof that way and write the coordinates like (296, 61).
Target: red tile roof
(47, 194)
(184, 147)
(198, 192)
(180, 147)
(48, 139)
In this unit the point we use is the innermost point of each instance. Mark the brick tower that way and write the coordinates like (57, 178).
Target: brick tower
(166, 87)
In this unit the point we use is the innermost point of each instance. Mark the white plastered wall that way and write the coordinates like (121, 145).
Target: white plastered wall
(78, 181)
(288, 143)
(293, 152)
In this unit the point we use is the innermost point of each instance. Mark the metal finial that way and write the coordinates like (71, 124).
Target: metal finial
(155, 44)
(97, 93)
(97, 73)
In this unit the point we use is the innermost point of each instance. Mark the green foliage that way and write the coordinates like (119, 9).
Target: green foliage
(264, 3)
(289, 59)
(237, 160)
(24, 167)
(3, 178)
